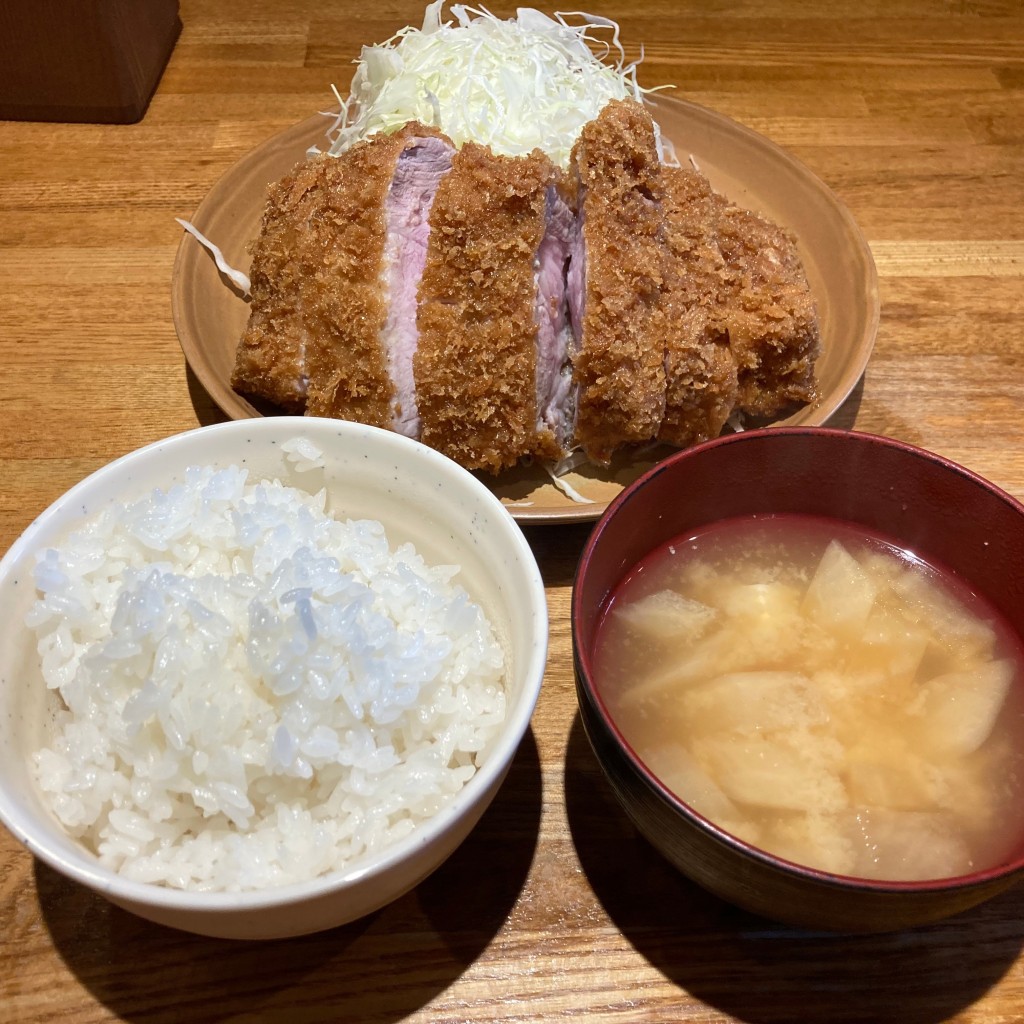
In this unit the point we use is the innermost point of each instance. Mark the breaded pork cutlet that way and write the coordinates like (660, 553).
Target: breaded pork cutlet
(355, 273)
(700, 372)
(335, 273)
(616, 282)
(499, 309)
(270, 361)
(768, 312)
(476, 362)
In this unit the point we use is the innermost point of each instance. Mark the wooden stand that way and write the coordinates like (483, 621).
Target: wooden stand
(87, 61)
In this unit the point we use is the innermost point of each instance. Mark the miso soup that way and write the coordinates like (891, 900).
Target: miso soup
(823, 695)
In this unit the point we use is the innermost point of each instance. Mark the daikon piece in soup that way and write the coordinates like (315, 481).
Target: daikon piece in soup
(823, 695)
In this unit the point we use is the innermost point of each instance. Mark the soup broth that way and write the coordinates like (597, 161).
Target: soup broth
(822, 694)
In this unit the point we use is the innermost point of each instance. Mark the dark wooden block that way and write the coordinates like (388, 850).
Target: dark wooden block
(83, 61)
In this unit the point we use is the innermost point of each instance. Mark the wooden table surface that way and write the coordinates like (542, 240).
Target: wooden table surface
(913, 112)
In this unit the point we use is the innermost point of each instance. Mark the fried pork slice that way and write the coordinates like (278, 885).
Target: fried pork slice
(617, 281)
(270, 361)
(332, 324)
(362, 258)
(476, 363)
(769, 313)
(700, 372)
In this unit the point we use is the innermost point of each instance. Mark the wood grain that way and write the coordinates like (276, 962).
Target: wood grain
(553, 909)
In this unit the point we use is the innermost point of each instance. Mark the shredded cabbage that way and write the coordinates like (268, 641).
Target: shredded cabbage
(237, 277)
(531, 81)
(565, 487)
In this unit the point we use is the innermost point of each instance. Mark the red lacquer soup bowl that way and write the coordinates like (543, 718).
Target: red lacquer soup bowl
(941, 512)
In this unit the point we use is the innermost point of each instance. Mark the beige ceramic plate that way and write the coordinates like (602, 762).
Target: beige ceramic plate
(746, 167)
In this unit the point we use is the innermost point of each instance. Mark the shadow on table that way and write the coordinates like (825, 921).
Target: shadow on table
(208, 412)
(377, 970)
(765, 973)
(206, 409)
(557, 549)
(845, 417)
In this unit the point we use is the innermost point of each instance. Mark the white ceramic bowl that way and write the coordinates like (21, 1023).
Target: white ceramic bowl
(421, 497)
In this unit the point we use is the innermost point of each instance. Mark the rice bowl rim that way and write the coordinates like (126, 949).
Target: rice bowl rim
(85, 867)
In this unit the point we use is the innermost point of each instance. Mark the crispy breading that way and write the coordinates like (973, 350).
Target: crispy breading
(700, 372)
(769, 313)
(620, 360)
(270, 358)
(475, 364)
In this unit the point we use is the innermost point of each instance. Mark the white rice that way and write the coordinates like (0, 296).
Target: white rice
(254, 693)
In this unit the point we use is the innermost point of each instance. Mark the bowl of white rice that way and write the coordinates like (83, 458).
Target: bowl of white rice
(261, 678)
